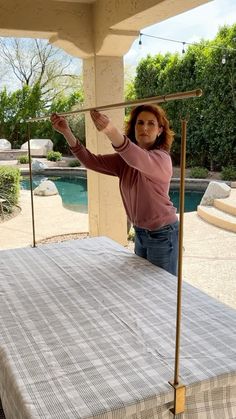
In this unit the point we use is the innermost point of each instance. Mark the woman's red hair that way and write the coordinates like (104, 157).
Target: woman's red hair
(165, 140)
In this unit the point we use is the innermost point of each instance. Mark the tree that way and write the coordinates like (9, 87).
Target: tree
(15, 108)
(35, 62)
(77, 121)
(47, 84)
(211, 134)
(219, 85)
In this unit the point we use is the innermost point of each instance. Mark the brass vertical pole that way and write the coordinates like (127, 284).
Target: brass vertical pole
(180, 257)
(31, 187)
(179, 399)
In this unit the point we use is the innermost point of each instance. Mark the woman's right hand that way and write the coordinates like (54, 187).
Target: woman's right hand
(59, 123)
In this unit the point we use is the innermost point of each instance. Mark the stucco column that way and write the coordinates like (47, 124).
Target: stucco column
(103, 84)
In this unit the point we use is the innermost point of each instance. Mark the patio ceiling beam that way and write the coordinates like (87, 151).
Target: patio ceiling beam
(101, 27)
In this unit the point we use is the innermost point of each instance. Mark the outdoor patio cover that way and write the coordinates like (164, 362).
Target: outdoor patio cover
(87, 330)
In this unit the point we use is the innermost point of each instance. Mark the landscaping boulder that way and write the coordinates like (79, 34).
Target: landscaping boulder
(5, 144)
(39, 147)
(46, 188)
(215, 190)
(38, 166)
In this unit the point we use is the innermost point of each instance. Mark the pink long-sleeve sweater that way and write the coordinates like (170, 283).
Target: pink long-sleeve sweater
(144, 181)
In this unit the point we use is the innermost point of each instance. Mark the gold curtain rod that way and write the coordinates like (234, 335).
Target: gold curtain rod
(155, 99)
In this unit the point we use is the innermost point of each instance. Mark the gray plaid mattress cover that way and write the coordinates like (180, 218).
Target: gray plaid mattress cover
(88, 331)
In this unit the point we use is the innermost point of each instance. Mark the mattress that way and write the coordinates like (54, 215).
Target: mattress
(88, 331)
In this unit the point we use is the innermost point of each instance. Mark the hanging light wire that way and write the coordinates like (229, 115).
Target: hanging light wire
(141, 34)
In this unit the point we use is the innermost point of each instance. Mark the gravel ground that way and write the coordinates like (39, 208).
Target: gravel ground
(9, 215)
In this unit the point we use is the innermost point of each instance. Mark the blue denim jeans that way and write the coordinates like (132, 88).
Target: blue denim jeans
(160, 246)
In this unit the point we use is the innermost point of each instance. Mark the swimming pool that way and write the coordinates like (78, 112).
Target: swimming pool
(73, 191)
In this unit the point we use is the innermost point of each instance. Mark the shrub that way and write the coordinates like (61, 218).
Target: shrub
(23, 159)
(131, 234)
(9, 186)
(54, 156)
(228, 173)
(198, 172)
(74, 163)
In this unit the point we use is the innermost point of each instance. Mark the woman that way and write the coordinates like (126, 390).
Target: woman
(143, 165)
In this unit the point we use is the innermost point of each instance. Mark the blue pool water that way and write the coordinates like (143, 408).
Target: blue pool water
(191, 199)
(73, 191)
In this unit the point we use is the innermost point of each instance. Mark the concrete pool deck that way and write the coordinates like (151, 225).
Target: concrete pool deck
(51, 219)
(209, 257)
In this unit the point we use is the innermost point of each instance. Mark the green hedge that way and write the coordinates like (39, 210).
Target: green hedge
(23, 159)
(198, 172)
(9, 186)
(228, 173)
(74, 163)
(54, 156)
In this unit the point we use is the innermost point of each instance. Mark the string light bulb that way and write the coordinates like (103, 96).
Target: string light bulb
(183, 49)
(140, 40)
(223, 59)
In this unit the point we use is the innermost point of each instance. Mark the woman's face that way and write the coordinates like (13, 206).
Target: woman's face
(147, 129)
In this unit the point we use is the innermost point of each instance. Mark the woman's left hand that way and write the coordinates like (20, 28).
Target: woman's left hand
(100, 120)
(105, 124)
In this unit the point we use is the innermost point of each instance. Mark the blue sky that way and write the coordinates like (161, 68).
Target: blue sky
(202, 22)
